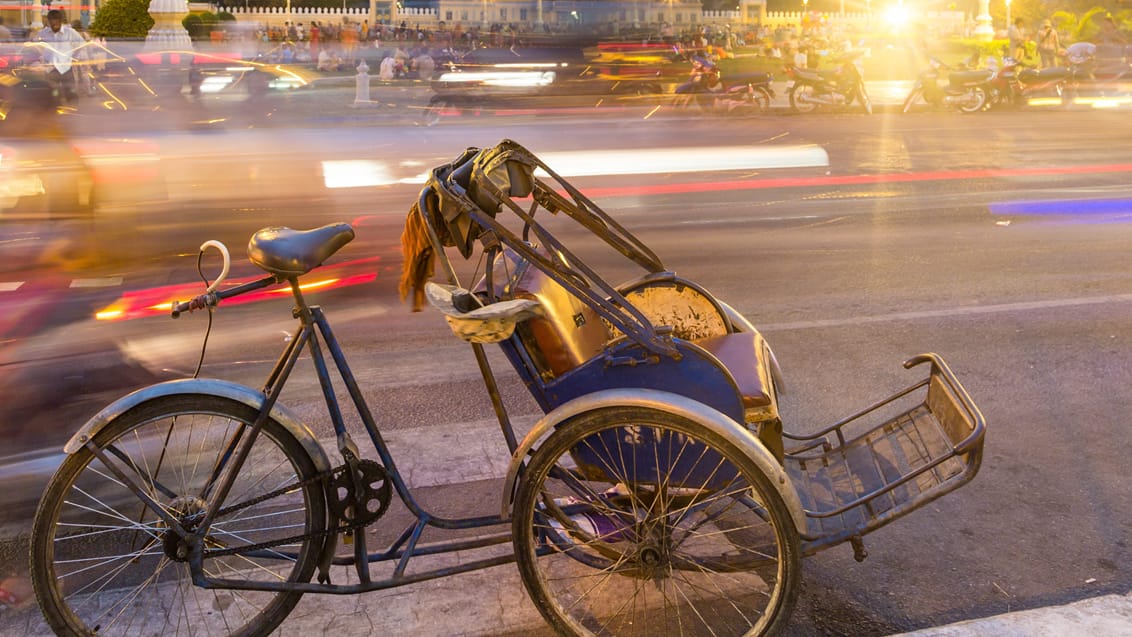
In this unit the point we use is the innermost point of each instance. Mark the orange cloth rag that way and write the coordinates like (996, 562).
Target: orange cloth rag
(419, 260)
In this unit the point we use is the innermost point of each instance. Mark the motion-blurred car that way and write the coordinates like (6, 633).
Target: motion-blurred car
(43, 179)
(518, 78)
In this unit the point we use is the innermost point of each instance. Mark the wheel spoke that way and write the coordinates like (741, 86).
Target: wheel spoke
(102, 569)
(703, 543)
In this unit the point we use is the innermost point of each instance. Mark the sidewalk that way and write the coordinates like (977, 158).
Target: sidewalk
(1107, 616)
(492, 602)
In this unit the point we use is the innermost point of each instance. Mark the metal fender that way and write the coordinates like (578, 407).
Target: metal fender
(206, 386)
(662, 401)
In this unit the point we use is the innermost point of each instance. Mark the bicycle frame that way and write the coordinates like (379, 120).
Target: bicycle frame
(314, 328)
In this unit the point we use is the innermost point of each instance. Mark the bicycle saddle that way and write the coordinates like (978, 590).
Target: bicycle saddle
(285, 252)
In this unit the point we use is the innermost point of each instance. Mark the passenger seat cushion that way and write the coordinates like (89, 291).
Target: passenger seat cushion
(742, 355)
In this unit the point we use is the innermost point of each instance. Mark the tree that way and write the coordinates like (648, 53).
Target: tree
(122, 19)
(1078, 28)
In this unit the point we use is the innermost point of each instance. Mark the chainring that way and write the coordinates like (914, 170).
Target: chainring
(360, 509)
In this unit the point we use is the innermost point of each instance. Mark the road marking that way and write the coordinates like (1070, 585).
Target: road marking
(10, 286)
(102, 282)
(959, 311)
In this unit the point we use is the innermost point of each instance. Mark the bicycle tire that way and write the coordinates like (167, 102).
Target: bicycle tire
(604, 552)
(103, 562)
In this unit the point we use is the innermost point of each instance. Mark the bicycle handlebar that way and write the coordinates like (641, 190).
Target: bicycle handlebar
(212, 243)
(212, 298)
(209, 299)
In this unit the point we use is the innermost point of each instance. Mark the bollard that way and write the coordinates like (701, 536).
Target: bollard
(361, 85)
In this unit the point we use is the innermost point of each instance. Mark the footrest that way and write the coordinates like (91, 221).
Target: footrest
(887, 460)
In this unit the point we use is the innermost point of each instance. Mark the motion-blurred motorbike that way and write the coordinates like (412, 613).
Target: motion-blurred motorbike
(744, 94)
(808, 89)
(1015, 83)
(965, 89)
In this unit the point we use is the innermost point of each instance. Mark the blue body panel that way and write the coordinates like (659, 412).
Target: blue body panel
(697, 375)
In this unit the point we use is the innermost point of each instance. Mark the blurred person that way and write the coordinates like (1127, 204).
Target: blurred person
(387, 70)
(1109, 33)
(349, 37)
(1082, 58)
(328, 60)
(5, 33)
(1016, 34)
(802, 57)
(424, 65)
(1049, 44)
(61, 42)
(1110, 42)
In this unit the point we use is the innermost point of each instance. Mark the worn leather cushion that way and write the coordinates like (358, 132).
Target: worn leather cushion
(741, 355)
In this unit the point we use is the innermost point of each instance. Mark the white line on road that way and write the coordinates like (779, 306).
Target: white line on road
(10, 286)
(102, 282)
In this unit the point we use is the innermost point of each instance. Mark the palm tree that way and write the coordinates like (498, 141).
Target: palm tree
(1078, 29)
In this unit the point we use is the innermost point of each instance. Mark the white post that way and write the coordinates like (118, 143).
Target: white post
(983, 28)
(361, 85)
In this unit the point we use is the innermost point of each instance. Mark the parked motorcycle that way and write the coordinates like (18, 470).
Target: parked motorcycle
(808, 89)
(743, 94)
(1015, 83)
(965, 89)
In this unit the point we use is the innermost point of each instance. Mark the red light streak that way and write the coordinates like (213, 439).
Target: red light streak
(134, 304)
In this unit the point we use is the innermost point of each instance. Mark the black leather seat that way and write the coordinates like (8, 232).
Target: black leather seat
(285, 252)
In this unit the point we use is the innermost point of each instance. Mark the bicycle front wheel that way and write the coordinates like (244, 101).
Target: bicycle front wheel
(103, 562)
(635, 521)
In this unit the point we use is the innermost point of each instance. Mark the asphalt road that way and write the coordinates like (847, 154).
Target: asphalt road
(996, 240)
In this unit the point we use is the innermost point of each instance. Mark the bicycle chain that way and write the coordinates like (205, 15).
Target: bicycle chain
(327, 475)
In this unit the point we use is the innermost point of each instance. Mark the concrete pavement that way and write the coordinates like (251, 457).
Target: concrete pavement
(1106, 616)
(492, 602)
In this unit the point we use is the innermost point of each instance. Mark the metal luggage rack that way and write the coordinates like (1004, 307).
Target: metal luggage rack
(854, 479)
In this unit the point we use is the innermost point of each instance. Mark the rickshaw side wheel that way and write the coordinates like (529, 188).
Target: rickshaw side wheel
(631, 520)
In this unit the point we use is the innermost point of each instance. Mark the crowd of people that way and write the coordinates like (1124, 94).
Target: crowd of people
(1109, 43)
(404, 51)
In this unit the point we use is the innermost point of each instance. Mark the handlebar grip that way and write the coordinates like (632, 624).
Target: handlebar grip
(209, 299)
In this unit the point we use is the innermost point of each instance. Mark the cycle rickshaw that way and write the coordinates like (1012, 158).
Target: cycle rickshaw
(658, 494)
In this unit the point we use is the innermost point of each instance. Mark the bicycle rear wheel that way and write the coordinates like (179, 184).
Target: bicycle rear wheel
(104, 562)
(635, 521)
